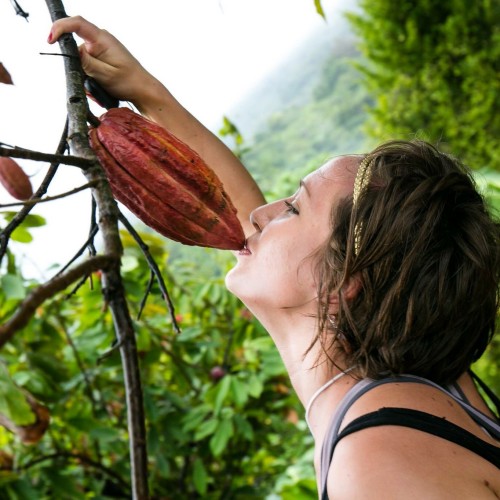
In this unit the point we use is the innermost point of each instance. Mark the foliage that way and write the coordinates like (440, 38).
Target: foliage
(433, 70)
(301, 137)
(222, 421)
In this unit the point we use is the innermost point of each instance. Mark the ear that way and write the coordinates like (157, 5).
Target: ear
(349, 290)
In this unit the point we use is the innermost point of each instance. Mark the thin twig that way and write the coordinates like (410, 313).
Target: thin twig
(79, 457)
(153, 266)
(34, 201)
(147, 292)
(115, 346)
(26, 154)
(80, 251)
(36, 298)
(93, 224)
(77, 287)
(42, 189)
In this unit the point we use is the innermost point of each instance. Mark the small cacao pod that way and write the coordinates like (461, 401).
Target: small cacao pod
(14, 179)
(166, 184)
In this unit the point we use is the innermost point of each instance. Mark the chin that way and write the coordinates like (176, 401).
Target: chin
(231, 282)
(240, 287)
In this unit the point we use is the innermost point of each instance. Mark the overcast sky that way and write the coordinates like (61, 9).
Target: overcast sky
(209, 53)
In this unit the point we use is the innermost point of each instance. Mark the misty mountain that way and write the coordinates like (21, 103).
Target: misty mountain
(310, 108)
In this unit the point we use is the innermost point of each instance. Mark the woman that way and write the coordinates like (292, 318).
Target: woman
(379, 265)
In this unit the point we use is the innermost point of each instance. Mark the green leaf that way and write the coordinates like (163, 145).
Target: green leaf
(206, 428)
(222, 390)
(222, 435)
(21, 235)
(12, 286)
(129, 263)
(243, 427)
(33, 220)
(189, 333)
(255, 386)
(239, 391)
(319, 8)
(105, 434)
(13, 402)
(200, 477)
(195, 417)
(81, 423)
(49, 366)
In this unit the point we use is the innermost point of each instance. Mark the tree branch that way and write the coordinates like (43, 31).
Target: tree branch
(113, 289)
(29, 305)
(154, 269)
(27, 154)
(34, 201)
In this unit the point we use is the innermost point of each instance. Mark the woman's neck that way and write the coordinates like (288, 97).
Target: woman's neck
(308, 367)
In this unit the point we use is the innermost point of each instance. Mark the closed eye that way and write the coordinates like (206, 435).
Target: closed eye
(290, 208)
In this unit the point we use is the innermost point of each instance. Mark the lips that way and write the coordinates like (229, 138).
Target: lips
(245, 250)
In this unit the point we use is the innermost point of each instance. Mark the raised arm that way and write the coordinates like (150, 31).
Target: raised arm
(120, 73)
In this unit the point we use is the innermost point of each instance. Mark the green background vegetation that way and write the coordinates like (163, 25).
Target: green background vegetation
(424, 68)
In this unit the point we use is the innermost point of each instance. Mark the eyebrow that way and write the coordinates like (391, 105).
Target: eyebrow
(303, 184)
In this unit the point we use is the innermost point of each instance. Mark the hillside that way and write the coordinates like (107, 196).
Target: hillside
(310, 108)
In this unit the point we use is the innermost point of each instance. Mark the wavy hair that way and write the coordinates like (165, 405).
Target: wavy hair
(428, 265)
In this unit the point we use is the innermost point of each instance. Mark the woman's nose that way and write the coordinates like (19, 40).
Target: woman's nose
(264, 214)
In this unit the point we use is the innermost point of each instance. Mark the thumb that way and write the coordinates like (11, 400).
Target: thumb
(92, 66)
(86, 60)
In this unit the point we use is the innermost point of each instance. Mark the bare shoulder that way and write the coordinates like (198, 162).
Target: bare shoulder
(398, 462)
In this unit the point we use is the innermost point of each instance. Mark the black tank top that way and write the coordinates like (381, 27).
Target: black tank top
(409, 418)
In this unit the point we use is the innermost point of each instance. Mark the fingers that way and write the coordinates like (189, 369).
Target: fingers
(77, 24)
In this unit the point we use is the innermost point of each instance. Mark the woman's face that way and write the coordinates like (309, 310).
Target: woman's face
(278, 269)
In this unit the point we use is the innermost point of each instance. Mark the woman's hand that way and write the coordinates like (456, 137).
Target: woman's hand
(107, 60)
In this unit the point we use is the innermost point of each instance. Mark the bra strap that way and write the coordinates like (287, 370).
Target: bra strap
(367, 384)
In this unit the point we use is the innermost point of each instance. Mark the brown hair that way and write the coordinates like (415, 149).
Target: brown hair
(428, 265)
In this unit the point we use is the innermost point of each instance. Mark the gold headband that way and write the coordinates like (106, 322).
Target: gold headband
(360, 184)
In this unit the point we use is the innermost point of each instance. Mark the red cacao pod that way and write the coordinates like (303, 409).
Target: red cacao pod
(164, 182)
(14, 179)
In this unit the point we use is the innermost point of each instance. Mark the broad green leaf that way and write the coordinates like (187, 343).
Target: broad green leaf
(206, 429)
(21, 489)
(162, 465)
(13, 402)
(12, 286)
(189, 333)
(81, 423)
(222, 435)
(195, 417)
(11, 262)
(222, 390)
(243, 427)
(255, 386)
(129, 263)
(31, 220)
(272, 364)
(21, 235)
(49, 366)
(239, 391)
(105, 434)
(200, 477)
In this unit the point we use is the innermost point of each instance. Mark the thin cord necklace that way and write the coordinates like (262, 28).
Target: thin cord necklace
(321, 389)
